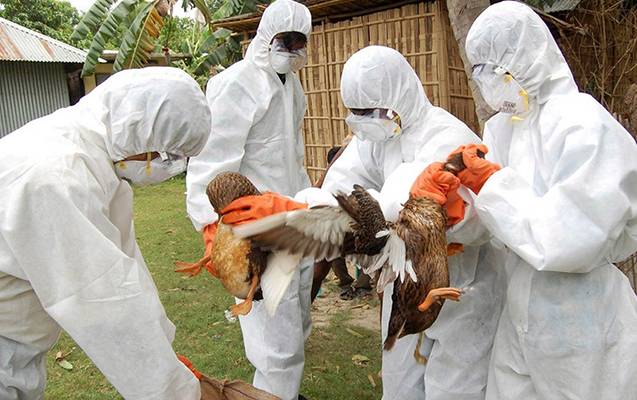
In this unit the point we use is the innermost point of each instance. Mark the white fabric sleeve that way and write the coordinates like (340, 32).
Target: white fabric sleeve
(233, 111)
(348, 170)
(470, 231)
(316, 197)
(574, 224)
(71, 254)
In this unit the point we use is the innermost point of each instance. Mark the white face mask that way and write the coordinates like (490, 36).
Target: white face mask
(373, 128)
(283, 60)
(142, 173)
(500, 90)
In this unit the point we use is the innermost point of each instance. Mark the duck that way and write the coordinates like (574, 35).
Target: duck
(410, 254)
(245, 271)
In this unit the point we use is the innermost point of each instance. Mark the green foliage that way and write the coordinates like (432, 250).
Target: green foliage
(175, 33)
(139, 39)
(139, 29)
(54, 18)
(227, 8)
(109, 29)
(208, 50)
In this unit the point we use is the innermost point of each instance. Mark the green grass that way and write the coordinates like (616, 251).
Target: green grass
(196, 305)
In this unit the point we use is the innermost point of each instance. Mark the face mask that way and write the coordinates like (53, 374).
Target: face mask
(372, 128)
(500, 90)
(283, 60)
(142, 173)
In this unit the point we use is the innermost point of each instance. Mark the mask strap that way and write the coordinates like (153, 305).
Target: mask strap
(525, 97)
(149, 157)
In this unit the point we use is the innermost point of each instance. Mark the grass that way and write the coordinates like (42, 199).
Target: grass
(196, 305)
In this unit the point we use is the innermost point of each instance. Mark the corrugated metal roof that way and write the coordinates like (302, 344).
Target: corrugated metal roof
(18, 43)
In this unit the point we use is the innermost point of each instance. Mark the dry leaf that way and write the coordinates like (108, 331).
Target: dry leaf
(371, 380)
(353, 332)
(360, 360)
(65, 364)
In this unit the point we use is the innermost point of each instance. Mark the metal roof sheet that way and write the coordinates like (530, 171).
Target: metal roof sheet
(18, 43)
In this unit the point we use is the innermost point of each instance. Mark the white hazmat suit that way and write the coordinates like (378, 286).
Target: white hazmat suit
(379, 77)
(68, 256)
(256, 131)
(565, 206)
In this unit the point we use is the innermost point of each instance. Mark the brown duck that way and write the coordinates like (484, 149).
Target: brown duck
(238, 263)
(411, 253)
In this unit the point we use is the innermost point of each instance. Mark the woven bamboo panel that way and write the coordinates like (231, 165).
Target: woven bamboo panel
(420, 31)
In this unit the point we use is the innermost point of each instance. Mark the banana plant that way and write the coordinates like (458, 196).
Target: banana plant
(138, 23)
(209, 51)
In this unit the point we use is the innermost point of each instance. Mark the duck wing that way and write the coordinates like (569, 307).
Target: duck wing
(318, 232)
(323, 232)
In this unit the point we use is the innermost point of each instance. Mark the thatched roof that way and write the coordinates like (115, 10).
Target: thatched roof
(332, 10)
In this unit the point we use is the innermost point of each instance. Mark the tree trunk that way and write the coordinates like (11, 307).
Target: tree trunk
(462, 13)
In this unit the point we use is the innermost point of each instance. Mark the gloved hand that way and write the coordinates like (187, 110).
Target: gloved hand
(435, 183)
(440, 185)
(477, 170)
(191, 367)
(251, 208)
(208, 234)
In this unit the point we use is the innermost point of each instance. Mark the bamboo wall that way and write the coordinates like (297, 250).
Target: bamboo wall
(421, 32)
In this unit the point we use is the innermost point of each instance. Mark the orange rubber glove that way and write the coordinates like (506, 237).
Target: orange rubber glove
(435, 183)
(208, 234)
(251, 208)
(477, 170)
(442, 186)
(191, 367)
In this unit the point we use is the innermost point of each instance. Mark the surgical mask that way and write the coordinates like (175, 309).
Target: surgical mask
(500, 90)
(284, 60)
(142, 173)
(373, 127)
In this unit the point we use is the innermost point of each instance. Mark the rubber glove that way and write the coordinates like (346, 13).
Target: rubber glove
(477, 170)
(435, 183)
(191, 367)
(251, 208)
(208, 234)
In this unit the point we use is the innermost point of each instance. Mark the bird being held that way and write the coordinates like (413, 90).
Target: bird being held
(411, 253)
(241, 266)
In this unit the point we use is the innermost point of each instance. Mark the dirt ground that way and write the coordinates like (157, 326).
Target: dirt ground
(362, 312)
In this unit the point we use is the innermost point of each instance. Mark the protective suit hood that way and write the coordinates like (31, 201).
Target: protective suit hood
(138, 111)
(380, 77)
(510, 35)
(280, 16)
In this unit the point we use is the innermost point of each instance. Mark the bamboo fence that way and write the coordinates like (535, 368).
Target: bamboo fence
(421, 32)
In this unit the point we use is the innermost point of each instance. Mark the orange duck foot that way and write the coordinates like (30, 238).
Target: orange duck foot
(195, 268)
(242, 308)
(438, 294)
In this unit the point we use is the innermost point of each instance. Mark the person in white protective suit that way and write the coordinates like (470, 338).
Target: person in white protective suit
(398, 132)
(68, 256)
(258, 106)
(565, 206)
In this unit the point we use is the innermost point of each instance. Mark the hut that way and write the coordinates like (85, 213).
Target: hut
(38, 75)
(420, 30)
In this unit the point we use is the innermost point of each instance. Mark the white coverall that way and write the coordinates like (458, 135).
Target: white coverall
(256, 131)
(68, 256)
(565, 206)
(379, 77)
